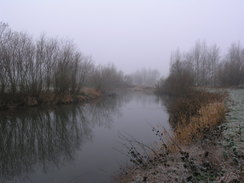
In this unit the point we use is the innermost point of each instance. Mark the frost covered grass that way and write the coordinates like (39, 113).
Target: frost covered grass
(194, 152)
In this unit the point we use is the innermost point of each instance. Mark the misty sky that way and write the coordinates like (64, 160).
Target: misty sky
(130, 33)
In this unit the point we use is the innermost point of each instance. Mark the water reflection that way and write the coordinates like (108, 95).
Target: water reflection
(100, 111)
(42, 136)
(169, 102)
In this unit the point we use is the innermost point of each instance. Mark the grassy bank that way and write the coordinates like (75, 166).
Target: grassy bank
(193, 152)
(194, 114)
(48, 98)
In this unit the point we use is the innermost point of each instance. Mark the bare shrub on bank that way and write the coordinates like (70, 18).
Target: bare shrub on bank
(30, 67)
(202, 66)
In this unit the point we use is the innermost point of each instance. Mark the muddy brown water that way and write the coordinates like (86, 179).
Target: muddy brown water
(76, 143)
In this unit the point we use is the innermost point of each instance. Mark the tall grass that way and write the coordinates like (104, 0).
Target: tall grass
(181, 154)
(208, 117)
(195, 114)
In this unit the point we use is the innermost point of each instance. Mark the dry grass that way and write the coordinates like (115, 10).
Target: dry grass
(193, 118)
(208, 116)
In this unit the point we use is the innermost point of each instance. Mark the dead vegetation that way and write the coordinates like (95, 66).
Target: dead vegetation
(209, 117)
(192, 153)
(48, 70)
(196, 114)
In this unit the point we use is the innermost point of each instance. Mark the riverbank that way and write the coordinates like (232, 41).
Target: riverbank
(49, 98)
(199, 150)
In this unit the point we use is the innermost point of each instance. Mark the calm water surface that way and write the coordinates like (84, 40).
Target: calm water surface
(76, 143)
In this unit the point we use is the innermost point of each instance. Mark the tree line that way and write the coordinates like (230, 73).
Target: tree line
(30, 67)
(203, 66)
(144, 77)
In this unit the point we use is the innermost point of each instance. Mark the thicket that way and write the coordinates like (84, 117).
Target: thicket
(193, 108)
(31, 67)
(203, 66)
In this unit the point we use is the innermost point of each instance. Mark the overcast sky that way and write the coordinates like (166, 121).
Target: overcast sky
(130, 33)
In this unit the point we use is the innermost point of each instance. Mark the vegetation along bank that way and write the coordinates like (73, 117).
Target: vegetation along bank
(206, 143)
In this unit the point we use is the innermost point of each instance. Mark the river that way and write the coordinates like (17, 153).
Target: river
(76, 142)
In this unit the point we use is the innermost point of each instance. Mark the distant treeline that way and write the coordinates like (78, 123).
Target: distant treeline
(144, 77)
(30, 67)
(203, 66)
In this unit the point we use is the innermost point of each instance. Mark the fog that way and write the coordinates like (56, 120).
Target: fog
(132, 34)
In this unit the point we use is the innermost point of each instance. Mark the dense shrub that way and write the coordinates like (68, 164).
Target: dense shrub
(32, 68)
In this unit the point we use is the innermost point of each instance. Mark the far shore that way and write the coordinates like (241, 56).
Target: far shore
(49, 98)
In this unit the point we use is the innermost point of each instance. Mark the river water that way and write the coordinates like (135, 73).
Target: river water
(76, 143)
